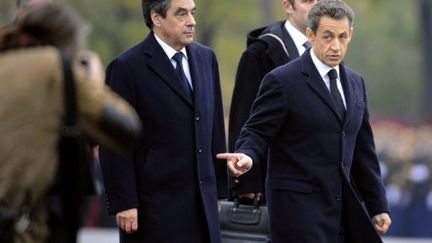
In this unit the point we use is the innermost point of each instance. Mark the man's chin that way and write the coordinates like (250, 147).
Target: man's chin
(187, 41)
(333, 63)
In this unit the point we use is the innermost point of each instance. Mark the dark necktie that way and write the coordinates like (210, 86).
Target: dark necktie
(180, 73)
(307, 45)
(337, 98)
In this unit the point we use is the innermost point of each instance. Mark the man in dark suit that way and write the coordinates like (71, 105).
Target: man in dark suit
(167, 189)
(323, 183)
(267, 48)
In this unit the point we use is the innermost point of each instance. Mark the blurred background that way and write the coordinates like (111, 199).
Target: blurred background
(391, 48)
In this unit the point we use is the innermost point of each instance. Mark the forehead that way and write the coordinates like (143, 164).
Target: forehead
(333, 25)
(185, 4)
(302, 1)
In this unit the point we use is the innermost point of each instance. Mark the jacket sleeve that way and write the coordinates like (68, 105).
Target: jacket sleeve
(218, 136)
(365, 169)
(119, 169)
(267, 116)
(248, 79)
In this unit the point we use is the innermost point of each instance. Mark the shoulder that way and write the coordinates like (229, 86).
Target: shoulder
(288, 74)
(275, 28)
(131, 53)
(254, 37)
(200, 48)
(145, 48)
(46, 53)
(40, 60)
(268, 40)
(291, 68)
(350, 73)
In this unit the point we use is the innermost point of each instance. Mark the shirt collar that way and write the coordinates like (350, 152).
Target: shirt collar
(169, 51)
(298, 37)
(322, 68)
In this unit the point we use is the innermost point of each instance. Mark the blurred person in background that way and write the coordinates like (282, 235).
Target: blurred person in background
(267, 48)
(24, 5)
(167, 189)
(32, 111)
(324, 183)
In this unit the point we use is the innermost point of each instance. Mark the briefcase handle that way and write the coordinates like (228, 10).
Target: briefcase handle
(255, 204)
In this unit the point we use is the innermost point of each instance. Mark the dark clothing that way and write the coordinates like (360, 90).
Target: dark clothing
(32, 111)
(172, 176)
(264, 53)
(314, 157)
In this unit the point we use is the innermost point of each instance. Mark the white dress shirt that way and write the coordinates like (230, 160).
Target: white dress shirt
(298, 37)
(323, 69)
(170, 52)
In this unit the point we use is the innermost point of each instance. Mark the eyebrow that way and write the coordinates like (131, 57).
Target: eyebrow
(181, 9)
(329, 32)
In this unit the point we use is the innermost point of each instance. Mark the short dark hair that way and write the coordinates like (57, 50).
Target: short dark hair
(335, 9)
(159, 6)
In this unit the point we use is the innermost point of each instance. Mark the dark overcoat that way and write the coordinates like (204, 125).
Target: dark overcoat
(267, 48)
(172, 176)
(315, 159)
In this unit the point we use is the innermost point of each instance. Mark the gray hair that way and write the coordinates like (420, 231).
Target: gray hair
(158, 6)
(335, 9)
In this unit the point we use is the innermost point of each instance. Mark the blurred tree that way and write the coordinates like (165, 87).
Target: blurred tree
(113, 25)
(386, 48)
(425, 7)
(267, 11)
(7, 11)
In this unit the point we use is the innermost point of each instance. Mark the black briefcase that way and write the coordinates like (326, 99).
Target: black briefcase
(244, 223)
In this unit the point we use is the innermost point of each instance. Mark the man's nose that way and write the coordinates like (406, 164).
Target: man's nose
(336, 45)
(190, 20)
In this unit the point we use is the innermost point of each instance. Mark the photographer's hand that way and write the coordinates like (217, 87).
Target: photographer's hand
(92, 66)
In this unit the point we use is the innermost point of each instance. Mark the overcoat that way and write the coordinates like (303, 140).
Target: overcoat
(267, 48)
(316, 160)
(172, 175)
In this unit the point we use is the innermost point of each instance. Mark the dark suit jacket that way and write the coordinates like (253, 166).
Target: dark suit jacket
(262, 55)
(315, 159)
(172, 175)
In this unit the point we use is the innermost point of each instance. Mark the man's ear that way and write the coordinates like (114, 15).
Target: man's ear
(350, 34)
(155, 18)
(288, 8)
(310, 35)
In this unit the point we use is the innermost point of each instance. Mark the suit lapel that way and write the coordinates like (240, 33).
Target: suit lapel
(348, 92)
(316, 83)
(195, 59)
(163, 67)
(289, 43)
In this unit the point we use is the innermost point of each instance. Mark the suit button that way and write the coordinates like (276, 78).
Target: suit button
(338, 197)
(200, 150)
(236, 181)
(343, 133)
(200, 182)
(197, 118)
